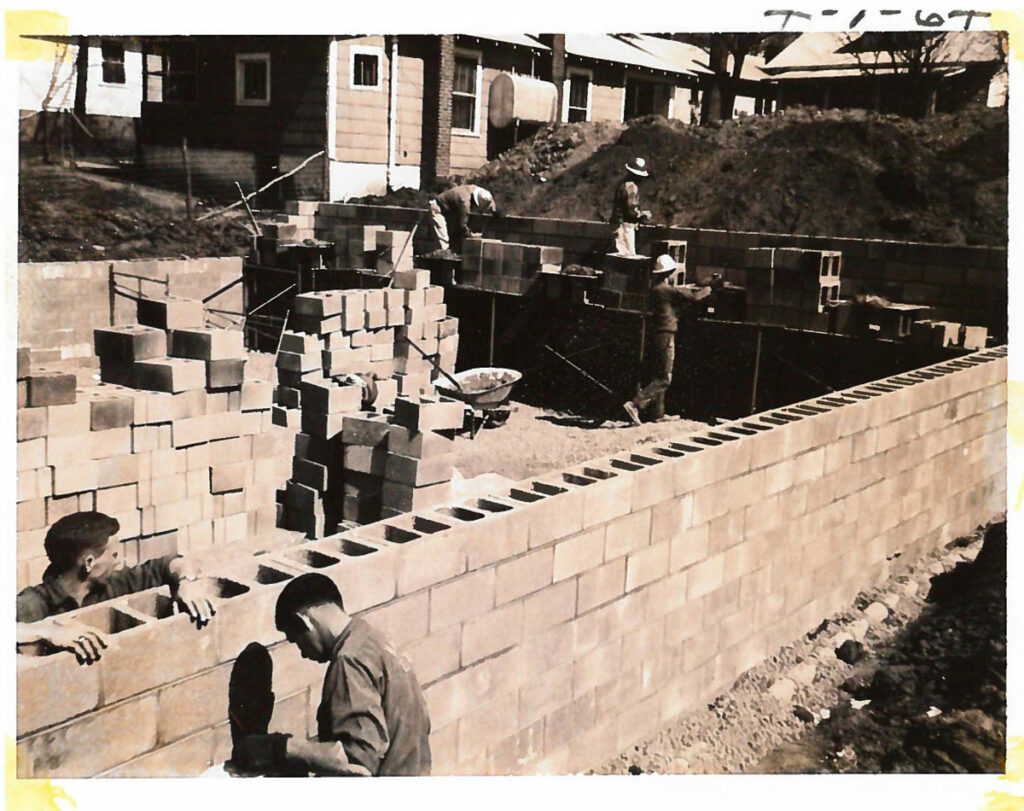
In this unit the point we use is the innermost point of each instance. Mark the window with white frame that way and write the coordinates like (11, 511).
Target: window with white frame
(365, 67)
(112, 53)
(577, 106)
(252, 79)
(466, 93)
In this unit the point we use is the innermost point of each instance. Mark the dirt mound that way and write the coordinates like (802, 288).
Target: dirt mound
(69, 216)
(841, 173)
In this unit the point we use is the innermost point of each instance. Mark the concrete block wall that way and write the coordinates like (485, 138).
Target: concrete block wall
(962, 283)
(79, 293)
(559, 621)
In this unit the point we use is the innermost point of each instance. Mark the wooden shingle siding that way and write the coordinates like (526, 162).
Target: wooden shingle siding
(363, 114)
(296, 116)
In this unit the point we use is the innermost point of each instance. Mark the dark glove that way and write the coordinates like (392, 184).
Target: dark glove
(716, 282)
(261, 753)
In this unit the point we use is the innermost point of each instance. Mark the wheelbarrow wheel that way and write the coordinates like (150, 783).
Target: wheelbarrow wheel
(496, 417)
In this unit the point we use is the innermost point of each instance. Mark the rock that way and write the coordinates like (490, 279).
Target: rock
(910, 588)
(858, 685)
(889, 682)
(876, 613)
(858, 629)
(783, 690)
(803, 714)
(803, 673)
(850, 652)
(936, 568)
(634, 769)
(891, 600)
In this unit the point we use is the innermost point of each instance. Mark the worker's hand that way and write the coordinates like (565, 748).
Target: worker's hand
(716, 282)
(260, 753)
(193, 599)
(85, 644)
(474, 235)
(645, 215)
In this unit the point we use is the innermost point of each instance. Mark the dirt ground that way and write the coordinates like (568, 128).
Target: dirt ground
(67, 216)
(535, 441)
(838, 173)
(927, 695)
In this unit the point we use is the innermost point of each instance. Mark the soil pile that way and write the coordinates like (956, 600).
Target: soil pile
(839, 173)
(66, 216)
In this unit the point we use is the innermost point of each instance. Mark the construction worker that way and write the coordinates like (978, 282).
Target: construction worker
(662, 322)
(85, 568)
(372, 718)
(450, 212)
(626, 211)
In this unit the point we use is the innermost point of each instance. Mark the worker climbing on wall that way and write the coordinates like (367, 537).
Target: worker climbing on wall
(85, 568)
(662, 322)
(372, 718)
(626, 211)
(450, 212)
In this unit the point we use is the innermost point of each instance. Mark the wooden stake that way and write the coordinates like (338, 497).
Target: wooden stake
(188, 178)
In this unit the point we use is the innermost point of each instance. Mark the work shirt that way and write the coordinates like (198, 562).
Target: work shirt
(48, 598)
(372, 704)
(455, 204)
(626, 203)
(662, 303)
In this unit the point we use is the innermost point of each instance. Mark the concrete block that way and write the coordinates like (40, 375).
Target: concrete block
(626, 534)
(31, 423)
(524, 575)
(127, 344)
(75, 478)
(327, 397)
(647, 565)
(600, 585)
(405, 498)
(97, 742)
(171, 313)
(223, 374)
(429, 414)
(49, 388)
(410, 279)
(368, 459)
(44, 699)
(419, 472)
(169, 374)
(578, 554)
(321, 304)
(462, 599)
(206, 343)
(492, 632)
(419, 445)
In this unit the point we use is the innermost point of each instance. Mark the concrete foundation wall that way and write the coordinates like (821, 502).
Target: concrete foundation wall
(580, 611)
(61, 303)
(963, 283)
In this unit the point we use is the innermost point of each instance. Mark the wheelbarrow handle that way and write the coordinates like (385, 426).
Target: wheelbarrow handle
(433, 363)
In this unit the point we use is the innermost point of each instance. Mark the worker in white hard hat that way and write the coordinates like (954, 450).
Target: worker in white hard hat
(662, 322)
(450, 212)
(626, 211)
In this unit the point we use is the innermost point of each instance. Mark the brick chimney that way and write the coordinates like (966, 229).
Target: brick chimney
(438, 74)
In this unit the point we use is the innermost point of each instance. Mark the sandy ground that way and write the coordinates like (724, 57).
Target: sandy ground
(536, 441)
(927, 695)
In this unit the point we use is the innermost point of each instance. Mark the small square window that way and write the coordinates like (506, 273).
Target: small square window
(252, 79)
(365, 70)
(112, 53)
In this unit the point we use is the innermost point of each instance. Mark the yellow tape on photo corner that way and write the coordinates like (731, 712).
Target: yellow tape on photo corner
(18, 24)
(30, 795)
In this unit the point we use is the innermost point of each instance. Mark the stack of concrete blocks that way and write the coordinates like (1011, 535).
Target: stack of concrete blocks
(506, 267)
(626, 282)
(297, 223)
(174, 443)
(340, 455)
(420, 454)
(791, 287)
(676, 248)
(948, 333)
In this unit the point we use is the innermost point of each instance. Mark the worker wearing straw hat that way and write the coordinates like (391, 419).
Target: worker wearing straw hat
(626, 211)
(450, 210)
(662, 322)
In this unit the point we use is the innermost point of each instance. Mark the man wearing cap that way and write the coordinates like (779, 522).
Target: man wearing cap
(662, 323)
(450, 211)
(85, 568)
(372, 718)
(626, 211)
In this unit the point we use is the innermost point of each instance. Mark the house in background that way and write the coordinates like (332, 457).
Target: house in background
(388, 111)
(856, 71)
(49, 82)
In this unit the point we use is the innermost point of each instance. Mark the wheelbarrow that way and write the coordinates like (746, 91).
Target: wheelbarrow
(484, 390)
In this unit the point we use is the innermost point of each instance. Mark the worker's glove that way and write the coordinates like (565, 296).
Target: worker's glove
(473, 235)
(261, 753)
(645, 215)
(716, 283)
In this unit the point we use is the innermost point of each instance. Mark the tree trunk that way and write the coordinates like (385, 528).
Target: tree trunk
(713, 108)
(81, 85)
